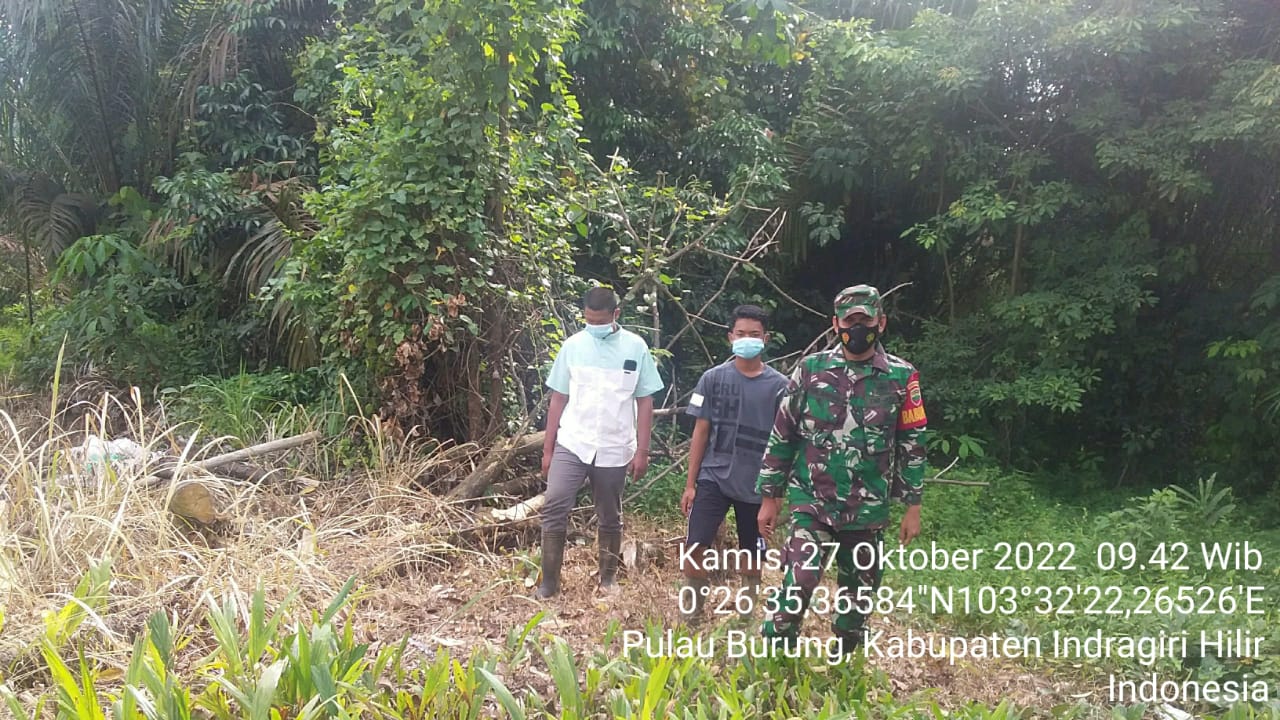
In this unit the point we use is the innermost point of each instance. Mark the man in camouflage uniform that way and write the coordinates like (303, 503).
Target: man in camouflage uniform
(848, 437)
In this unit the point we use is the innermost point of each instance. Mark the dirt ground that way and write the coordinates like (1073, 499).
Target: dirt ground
(482, 601)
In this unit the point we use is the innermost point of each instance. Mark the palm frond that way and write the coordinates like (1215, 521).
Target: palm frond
(68, 53)
(10, 179)
(255, 263)
(51, 218)
(112, 83)
(1271, 404)
(259, 261)
(166, 239)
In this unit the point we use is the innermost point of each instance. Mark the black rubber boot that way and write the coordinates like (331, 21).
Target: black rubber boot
(552, 559)
(850, 644)
(610, 554)
(751, 589)
(700, 588)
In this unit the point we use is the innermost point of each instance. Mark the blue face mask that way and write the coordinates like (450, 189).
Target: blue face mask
(599, 332)
(748, 347)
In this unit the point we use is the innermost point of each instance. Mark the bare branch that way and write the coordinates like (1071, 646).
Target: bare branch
(772, 284)
(666, 291)
(894, 289)
(748, 256)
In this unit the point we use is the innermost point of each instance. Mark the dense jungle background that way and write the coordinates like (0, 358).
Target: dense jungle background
(375, 218)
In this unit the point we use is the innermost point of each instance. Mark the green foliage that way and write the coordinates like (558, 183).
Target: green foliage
(243, 405)
(1080, 198)
(673, 249)
(966, 446)
(660, 498)
(705, 96)
(13, 281)
(449, 153)
(13, 334)
(150, 112)
(242, 123)
(133, 317)
(1040, 202)
(1249, 369)
(108, 86)
(1148, 534)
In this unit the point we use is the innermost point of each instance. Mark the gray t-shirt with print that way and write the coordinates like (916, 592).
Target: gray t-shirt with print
(741, 410)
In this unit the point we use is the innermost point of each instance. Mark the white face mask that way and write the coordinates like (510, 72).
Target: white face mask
(599, 332)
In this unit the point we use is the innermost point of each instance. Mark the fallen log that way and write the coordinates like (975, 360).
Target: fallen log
(253, 450)
(473, 486)
(170, 468)
(518, 487)
(245, 471)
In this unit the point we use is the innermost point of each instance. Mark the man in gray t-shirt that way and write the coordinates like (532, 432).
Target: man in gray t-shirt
(734, 404)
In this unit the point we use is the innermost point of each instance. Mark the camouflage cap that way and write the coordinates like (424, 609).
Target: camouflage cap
(859, 298)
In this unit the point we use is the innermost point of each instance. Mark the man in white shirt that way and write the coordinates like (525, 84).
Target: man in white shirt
(598, 428)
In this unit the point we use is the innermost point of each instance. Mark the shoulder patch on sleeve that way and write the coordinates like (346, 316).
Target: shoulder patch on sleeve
(912, 415)
(695, 400)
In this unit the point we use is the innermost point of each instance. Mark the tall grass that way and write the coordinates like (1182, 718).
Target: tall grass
(60, 516)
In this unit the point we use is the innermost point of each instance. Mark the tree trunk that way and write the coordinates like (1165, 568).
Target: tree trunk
(495, 348)
(26, 257)
(946, 257)
(951, 287)
(217, 461)
(495, 212)
(1019, 238)
(475, 401)
(112, 181)
(657, 324)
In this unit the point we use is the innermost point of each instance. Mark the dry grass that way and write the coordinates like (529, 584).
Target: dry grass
(58, 518)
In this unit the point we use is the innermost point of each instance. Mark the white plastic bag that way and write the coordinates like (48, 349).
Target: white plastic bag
(123, 456)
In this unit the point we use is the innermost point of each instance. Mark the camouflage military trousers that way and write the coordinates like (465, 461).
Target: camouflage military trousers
(806, 556)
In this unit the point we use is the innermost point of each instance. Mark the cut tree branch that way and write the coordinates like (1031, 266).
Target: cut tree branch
(217, 461)
(492, 466)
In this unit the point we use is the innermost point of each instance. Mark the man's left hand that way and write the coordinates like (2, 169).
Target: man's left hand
(910, 527)
(639, 464)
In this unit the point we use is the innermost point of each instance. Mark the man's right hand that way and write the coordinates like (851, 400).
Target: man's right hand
(767, 518)
(686, 500)
(546, 461)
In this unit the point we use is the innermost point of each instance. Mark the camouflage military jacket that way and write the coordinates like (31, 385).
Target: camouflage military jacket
(848, 436)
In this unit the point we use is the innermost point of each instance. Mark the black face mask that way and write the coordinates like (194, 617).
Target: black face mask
(859, 338)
